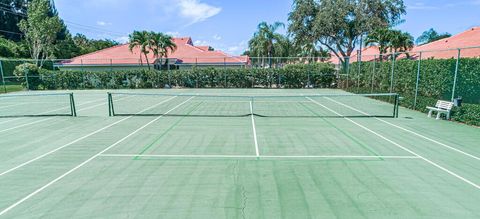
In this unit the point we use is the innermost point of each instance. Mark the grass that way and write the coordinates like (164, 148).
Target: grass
(10, 88)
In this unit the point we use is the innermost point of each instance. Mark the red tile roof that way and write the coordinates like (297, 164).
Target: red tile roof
(440, 49)
(469, 38)
(186, 53)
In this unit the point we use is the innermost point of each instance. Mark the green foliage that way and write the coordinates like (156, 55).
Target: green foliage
(158, 43)
(33, 73)
(468, 114)
(293, 76)
(13, 11)
(436, 83)
(41, 28)
(430, 36)
(11, 49)
(338, 24)
(86, 45)
(267, 42)
(389, 39)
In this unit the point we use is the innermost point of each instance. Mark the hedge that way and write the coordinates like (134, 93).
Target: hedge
(436, 82)
(291, 76)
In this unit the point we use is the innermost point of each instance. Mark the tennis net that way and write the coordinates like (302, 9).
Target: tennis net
(201, 105)
(43, 104)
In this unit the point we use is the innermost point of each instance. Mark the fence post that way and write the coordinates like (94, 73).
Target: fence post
(456, 74)
(373, 71)
(26, 77)
(225, 70)
(392, 76)
(347, 68)
(359, 63)
(3, 77)
(418, 81)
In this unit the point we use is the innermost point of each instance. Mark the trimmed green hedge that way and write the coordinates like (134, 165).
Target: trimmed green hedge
(291, 76)
(436, 82)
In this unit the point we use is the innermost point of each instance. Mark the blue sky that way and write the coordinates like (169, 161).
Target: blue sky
(228, 24)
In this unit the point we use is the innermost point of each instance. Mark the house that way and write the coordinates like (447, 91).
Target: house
(186, 55)
(468, 41)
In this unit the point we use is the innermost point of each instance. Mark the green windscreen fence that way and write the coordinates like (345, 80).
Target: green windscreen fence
(326, 105)
(46, 104)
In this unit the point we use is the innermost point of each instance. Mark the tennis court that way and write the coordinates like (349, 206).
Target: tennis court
(232, 153)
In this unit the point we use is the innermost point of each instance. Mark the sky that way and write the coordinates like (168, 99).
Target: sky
(227, 25)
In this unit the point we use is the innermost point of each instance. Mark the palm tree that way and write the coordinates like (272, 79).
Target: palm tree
(264, 39)
(390, 40)
(381, 38)
(161, 45)
(402, 41)
(142, 40)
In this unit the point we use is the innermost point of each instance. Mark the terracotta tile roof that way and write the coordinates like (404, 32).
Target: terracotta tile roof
(440, 49)
(469, 38)
(186, 53)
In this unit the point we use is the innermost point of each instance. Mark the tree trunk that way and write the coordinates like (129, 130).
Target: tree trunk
(148, 63)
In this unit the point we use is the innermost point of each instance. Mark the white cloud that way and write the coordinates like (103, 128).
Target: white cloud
(103, 23)
(173, 33)
(421, 6)
(123, 39)
(239, 48)
(201, 43)
(217, 37)
(197, 11)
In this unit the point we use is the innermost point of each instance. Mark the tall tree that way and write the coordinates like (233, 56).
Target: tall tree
(340, 24)
(141, 40)
(264, 40)
(430, 36)
(11, 13)
(40, 29)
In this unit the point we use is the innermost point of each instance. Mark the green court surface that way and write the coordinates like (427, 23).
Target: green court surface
(300, 156)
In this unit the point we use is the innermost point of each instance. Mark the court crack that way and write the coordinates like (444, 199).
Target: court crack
(243, 191)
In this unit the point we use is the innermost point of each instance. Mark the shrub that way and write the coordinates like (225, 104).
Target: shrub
(436, 83)
(29, 75)
(292, 76)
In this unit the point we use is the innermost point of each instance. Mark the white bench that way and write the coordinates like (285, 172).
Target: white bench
(441, 107)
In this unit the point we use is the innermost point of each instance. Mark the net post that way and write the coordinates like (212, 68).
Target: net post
(3, 77)
(251, 105)
(396, 106)
(110, 105)
(72, 106)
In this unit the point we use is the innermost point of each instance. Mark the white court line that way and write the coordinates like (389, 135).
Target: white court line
(409, 131)
(77, 140)
(86, 161)
(400, 146)
(257, 151)
(261, 156)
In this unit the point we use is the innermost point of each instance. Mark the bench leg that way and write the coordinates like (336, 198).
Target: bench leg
(439, 114)
(430, 114)
(448, 116)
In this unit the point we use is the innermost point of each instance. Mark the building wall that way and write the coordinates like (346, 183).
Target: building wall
(136, 67)
(103, 68)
